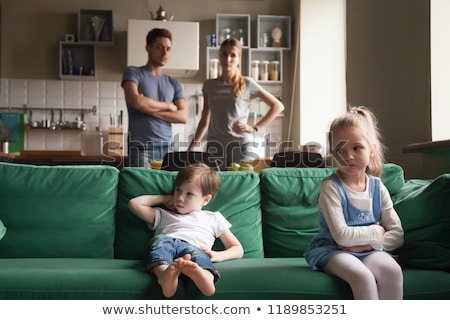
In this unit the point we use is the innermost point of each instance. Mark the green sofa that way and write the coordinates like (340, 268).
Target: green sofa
(70, 234)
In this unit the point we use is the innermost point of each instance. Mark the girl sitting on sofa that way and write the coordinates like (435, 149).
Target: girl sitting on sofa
(358, 224)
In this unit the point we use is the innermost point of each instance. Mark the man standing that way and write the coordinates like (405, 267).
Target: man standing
(154, 101)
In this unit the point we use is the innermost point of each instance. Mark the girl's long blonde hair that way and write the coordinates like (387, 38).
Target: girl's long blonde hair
(364, 119)
(237, 79)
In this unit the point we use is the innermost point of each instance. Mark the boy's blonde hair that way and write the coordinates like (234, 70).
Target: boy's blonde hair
(207, 178)
(238, 79)
(364, 119)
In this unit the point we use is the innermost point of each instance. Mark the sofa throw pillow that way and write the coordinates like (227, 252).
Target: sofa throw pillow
(424, 209)
(393, 177)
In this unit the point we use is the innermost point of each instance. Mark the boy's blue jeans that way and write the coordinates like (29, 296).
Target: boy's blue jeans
(164, 249)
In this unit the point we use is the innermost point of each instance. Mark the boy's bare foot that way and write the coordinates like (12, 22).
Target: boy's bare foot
(167, 279)
(203, 279)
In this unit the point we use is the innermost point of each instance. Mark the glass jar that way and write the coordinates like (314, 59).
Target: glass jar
(274, 70)
(264, 70)
(239, 34)
(226, 34)
(255, 70)
(213, 68)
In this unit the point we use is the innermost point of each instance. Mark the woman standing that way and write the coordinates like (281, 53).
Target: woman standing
(226, 108)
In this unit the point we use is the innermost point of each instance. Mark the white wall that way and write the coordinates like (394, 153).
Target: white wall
(440, 68)
(322, 67)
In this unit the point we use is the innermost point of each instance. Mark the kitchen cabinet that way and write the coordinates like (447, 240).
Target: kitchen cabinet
(273, 31)
(273, 56)
(273, 36)
(230, 25)
(77, 61)
(184, 56)
(95, 27)
(77, 58)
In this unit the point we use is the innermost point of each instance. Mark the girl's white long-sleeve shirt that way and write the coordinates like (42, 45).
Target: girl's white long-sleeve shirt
(330, 204)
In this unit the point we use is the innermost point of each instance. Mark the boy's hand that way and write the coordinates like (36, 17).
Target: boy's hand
(169, 204)
(213, 255)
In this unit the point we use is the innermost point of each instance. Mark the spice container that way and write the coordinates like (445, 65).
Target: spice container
(274, 70)
(255, 70)
(264, 70)
(213, 68)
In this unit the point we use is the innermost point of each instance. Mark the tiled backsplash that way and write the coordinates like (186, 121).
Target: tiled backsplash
(40, 96)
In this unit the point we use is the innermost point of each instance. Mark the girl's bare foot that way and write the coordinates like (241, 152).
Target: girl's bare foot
(167, 279)
(203, 279)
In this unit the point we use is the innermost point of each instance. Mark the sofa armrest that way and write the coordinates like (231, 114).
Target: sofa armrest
(424, 209)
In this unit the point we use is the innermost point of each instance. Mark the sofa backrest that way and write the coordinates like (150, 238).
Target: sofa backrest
(238, 199)
(57, 212)
(289, 205)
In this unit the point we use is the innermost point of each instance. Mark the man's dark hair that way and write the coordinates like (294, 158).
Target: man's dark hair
(157, 33)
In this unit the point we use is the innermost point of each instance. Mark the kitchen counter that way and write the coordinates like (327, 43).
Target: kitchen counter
(59, 157)
(260, 163)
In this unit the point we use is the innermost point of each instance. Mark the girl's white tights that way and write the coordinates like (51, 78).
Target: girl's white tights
(376, 276)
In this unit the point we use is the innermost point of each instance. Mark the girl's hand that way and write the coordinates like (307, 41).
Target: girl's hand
(360, 248)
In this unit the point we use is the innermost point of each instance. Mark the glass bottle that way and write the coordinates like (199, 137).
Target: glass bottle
(265, 40)
(226, 34)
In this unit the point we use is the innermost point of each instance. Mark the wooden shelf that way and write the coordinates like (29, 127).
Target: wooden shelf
(77, 61)
(429, 146)
(266, 25)
(234, 26)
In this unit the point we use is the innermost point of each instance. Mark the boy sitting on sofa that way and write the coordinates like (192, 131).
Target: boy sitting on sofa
(185, 234)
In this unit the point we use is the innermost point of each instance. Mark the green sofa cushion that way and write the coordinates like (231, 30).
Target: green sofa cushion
(424, 209)
(293, 279)
(59, 212)
(289, 205)
(256, 279)
(238, 199)
(80, 278)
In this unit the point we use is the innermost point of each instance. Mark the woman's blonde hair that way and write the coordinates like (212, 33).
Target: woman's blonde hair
(364, 119)
(238, 79)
